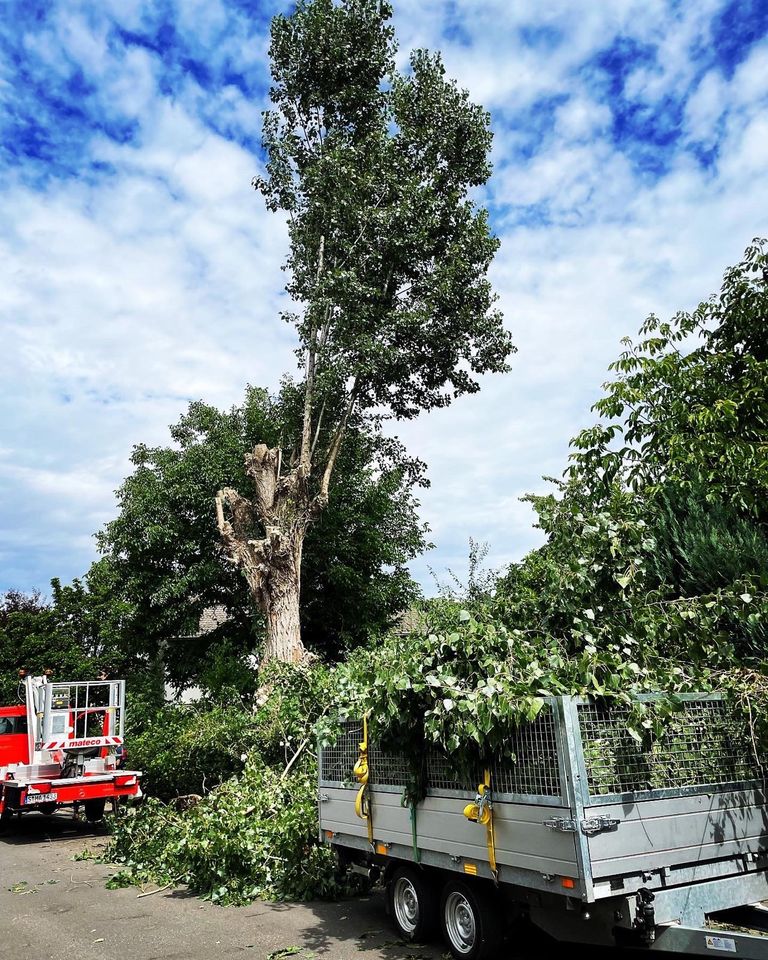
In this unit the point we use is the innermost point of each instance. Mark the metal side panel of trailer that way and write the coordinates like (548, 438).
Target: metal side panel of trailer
(583, 803)
(701, 834)
(694, 810)
(526, 851)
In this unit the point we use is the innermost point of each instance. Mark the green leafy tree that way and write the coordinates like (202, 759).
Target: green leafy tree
(27, 639)
(654, 573)
(92, 613)
(387, 271)
(689, 406)
(169, 564)
(704, 544)
(75, 634)
(34, 636)
(660, 530)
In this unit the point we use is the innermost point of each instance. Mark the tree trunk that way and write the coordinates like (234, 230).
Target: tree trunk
(271, 564)
(281, 611)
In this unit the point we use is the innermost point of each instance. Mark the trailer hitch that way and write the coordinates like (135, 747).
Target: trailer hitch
(645, 917)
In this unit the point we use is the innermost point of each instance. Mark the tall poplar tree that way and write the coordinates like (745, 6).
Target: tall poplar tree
(387, 268)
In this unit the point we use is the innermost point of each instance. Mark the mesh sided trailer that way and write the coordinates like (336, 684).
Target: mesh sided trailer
(597, 839)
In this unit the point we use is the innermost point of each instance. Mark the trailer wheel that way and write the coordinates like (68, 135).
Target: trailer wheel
(94, 810)
(412, 903)
(471, 924)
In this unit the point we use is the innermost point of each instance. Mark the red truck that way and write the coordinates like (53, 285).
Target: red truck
(63, 747)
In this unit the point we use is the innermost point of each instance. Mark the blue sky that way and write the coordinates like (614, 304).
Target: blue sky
(138, 270)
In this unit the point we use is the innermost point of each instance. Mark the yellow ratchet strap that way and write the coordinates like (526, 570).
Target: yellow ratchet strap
(361, 772)
(481, 811)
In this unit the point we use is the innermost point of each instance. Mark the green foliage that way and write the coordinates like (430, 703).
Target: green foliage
(29, 638)
(677, 748)
(187, 749)
(653, 573)
(165, 548)
(254, 833)
(597, 578)
(468, 682)
(660, 531)
(389, 256)
(192, 748)
(689, 406)
(253, 836)
(480, 584)
(75, 634)
(704, 545)
(292, 699)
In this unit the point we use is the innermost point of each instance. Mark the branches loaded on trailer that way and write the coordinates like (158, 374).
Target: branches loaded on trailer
(581, 831)
(63, 746)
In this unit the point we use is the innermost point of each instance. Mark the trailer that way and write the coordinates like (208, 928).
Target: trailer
(63, 746)
(583, 832)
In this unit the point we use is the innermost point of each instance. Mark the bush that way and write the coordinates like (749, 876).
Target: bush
(254, 833)
(191, 748)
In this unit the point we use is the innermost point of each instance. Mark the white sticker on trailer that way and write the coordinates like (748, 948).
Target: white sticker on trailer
(40, 797)
(721, 943)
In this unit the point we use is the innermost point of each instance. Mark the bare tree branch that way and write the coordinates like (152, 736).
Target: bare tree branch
(323, 338)
(305, 459)
(317, 430)
(242, 511)
(321, 499)
(261, 465)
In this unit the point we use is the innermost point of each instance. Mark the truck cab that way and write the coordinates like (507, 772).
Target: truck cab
(14, 741)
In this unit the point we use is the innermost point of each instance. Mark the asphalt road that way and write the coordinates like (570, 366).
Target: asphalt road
(53, 907)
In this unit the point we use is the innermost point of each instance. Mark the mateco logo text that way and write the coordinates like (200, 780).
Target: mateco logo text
(108, 741)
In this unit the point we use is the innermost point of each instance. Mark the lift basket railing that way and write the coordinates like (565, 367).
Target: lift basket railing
(81, 715)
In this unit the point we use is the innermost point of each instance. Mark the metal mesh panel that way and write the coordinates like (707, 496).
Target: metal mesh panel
(336, 762)
(387, 769)
(532, 771)
(535, 769)
(442, 776)
(706, 744)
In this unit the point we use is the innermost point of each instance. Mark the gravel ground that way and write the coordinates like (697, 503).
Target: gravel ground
(53, 907)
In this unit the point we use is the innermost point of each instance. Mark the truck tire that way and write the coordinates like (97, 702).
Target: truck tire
(94, 810)
(471, 922)
(412, 904)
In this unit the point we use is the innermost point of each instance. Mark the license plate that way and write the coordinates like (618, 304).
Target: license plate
(721, 943)
(33, 798)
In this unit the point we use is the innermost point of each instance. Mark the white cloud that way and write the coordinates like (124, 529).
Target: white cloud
(132, 89)
(124, 295)
(705, 108)
(83, 40)
(581, 118)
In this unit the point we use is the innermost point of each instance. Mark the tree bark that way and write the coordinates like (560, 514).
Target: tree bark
(270, 564)
(282, 508)
(283, 623)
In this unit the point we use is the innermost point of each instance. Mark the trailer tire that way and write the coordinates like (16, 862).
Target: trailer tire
(471, 922)
(94, 810)
(412, 904)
